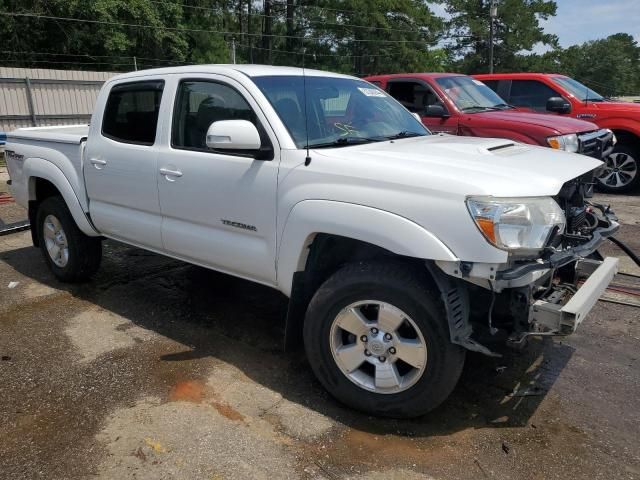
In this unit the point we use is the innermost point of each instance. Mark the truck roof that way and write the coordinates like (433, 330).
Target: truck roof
(417, 75)
(250, 70)
(516, 75)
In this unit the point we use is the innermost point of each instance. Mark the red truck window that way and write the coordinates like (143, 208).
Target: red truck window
(531, 94)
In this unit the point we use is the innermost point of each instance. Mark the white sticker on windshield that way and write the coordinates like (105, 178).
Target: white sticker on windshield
(372, 92)
(477, 82)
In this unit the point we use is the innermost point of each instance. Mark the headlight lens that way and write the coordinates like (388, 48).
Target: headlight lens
(517, 224)
(568, 143)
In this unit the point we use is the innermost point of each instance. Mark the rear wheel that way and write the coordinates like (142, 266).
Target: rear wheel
(71, 255)
(621, 172)
(378, 340)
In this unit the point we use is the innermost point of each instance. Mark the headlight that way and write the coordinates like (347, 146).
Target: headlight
(568, 143)
(614, 139)
(517, 224)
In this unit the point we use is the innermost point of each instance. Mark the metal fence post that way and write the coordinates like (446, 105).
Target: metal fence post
(32, 112)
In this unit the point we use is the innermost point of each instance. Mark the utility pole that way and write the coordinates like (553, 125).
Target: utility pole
(135, 64)
(233, 50)
(266, 33)
(493, 13)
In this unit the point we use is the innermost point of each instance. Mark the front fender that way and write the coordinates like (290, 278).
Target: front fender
(39, 168)
(378, 227)
(629, 125)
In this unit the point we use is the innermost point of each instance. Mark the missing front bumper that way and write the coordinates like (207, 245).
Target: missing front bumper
(561, 312)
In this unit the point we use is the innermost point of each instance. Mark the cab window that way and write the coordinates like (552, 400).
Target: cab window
(414, 96)
(131, 112)
(201, 103)
(531, 94)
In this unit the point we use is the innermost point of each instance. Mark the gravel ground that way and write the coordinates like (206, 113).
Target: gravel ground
(160, 370)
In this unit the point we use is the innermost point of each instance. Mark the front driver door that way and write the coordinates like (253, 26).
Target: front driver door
(416, 96)
(218, 207)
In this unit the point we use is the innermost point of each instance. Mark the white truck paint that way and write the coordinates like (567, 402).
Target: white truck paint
(260, 219)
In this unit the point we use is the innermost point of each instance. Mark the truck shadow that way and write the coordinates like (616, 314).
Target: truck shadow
(241, 323)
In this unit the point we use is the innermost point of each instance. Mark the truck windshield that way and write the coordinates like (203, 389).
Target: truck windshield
(339, 111)
(471, 95)
(578, 90)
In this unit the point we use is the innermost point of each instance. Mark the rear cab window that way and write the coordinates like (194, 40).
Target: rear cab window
(131, 112)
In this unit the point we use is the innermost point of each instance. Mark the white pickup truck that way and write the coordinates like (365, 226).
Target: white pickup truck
(399, 250)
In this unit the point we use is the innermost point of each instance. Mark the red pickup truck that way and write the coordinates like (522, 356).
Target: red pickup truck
(461, 105)
(566, 97)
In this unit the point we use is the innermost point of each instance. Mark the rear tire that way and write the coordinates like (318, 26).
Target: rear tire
(621, 172)
(384, 294)
(71, 255)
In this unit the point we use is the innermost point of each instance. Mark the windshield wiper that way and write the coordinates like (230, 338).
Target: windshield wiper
(403, 134)
(477, 107)
(503, 106)
(346, 141)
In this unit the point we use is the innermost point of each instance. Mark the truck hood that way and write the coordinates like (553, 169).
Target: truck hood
(462, 166)
(627, 108)
(562, 125)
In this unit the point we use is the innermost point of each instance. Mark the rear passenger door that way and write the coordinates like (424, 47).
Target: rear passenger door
(120, 167)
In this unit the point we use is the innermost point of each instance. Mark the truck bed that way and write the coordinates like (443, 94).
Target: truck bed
(74, 134)
(60, 147)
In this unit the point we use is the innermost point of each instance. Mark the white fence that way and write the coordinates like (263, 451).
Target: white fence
(36, 97)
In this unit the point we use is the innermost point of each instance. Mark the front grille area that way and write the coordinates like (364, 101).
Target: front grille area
(596, 144)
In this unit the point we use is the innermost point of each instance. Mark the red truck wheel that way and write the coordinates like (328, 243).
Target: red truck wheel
(621, 172)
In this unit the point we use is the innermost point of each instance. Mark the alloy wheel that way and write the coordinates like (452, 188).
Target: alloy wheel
(378, 347)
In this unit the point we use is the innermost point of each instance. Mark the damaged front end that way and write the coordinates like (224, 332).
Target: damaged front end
(543, 295)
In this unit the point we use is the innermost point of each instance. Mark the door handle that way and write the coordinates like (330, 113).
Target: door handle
(170, 173)
(98, 163)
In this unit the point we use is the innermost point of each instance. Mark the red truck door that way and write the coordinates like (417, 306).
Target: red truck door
(418, 97)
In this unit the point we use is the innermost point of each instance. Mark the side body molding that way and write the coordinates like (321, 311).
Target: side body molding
(378, 227)
(39, 168)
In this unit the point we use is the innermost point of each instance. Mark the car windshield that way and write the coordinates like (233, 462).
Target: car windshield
(339, 111)
(470, 94)
(578, 90)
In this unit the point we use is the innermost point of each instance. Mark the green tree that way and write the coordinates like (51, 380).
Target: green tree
(517, 29)
(610, 66)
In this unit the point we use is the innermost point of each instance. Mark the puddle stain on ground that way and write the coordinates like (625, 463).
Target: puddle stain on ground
(195, 391)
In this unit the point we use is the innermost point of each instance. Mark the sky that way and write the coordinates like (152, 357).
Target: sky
(578, 21)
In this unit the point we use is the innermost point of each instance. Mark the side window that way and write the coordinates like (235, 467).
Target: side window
(199, 104)
(414, 96)
(131, 112)
(531, 94)
(492, 84)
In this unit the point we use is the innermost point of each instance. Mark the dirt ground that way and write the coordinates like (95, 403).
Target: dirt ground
(160, 370)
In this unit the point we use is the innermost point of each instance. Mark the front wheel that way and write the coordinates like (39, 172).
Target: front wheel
(378, 340)
(71, 255)
(621, 171)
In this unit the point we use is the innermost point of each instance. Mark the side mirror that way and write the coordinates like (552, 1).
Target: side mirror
(233, 135)
(558, 105)
(435, 111)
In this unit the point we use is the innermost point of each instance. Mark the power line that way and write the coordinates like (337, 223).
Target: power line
(195, 30)
(86, 55)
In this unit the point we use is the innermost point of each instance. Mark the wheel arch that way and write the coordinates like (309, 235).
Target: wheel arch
(627, 137)
(45, 180)
(310, 219)
(321, 236)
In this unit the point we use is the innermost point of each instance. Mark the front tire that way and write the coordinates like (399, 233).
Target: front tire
(621, 172)
(378, 340)
(71, 255)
